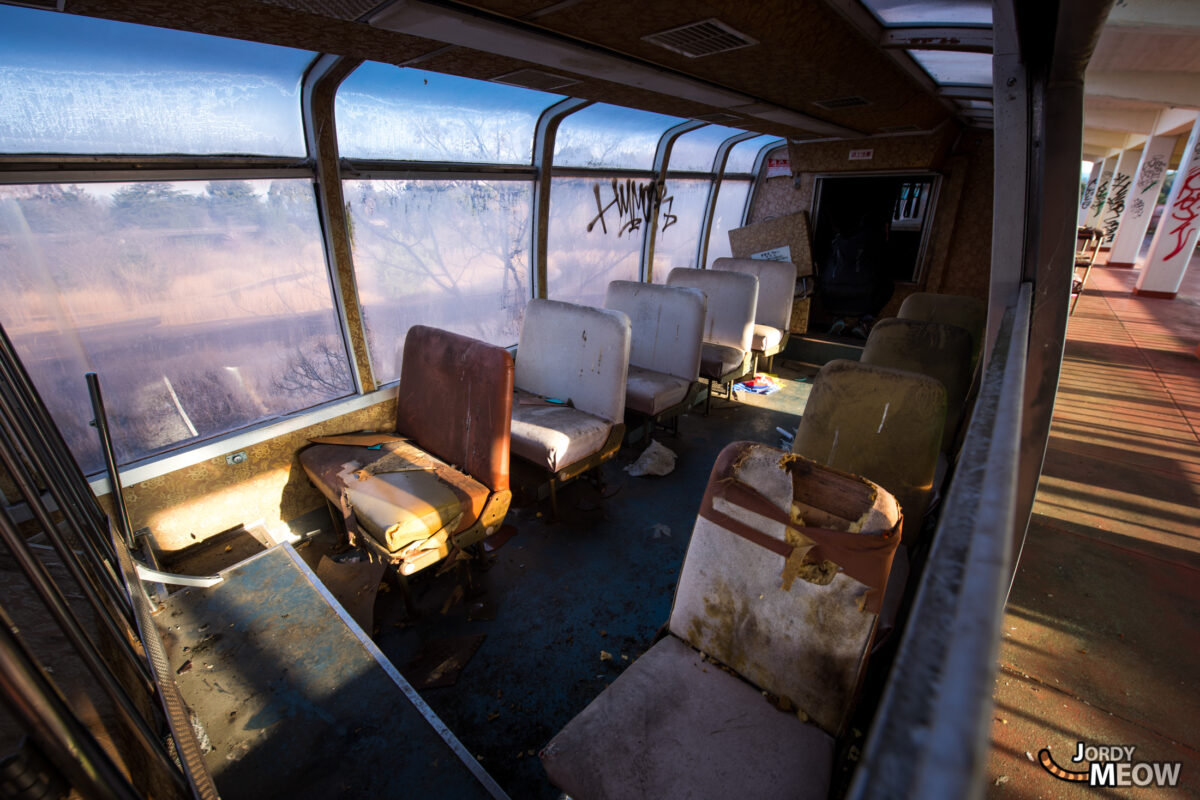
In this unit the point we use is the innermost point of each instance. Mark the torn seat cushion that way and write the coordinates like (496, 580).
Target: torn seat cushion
(554, 436)
(413, 497)
(717, 360)
(650, 392)
(675, 725)
(766, 337)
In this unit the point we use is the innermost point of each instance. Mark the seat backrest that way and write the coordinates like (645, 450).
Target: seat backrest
(930, 348)
(968, 313)
(776, 288)
(455, 400)
(800, 631)
(667, 325)
(732, 302)
(881, 423)
(577, 353)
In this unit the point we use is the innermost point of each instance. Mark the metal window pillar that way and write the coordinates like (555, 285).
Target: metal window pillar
(662, 160)
(318, 92)
(720, 158)
(543, 161)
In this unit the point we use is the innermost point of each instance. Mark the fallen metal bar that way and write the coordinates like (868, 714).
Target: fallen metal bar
(175, 579)
(110, 460)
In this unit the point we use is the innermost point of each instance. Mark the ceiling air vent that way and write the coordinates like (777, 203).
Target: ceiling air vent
(704, 38)
(535, 79)
(843, 102)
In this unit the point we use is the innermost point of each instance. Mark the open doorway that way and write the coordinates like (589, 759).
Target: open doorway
(869, 234)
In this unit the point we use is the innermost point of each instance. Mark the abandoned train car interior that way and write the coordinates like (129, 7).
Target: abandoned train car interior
(534, 399)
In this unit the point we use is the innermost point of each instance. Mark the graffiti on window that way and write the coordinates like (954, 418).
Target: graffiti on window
(634, 203)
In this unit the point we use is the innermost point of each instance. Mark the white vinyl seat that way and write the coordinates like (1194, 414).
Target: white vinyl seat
(756, 678)
(571, 371)
(664, 354)
(727, 350)
(776, 293)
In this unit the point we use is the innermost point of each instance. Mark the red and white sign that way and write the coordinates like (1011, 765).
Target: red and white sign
(779, 167)
(862, 155)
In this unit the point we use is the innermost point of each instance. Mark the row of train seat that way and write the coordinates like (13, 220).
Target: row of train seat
(440, 480)
(794, 572)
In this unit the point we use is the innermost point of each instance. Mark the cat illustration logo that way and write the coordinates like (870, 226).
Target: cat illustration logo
(1112, 765)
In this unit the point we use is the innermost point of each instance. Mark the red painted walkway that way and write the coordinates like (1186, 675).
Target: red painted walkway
(1102, 631)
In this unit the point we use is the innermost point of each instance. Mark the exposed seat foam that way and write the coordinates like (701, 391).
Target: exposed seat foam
(674, 725)
(448, 483)
(419, 495)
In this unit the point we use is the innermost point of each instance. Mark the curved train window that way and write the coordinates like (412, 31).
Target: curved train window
(730, 204)
(431, 247)
(71, 84)
(689, 180)
(602, 197)
(387, 112)
(205, 305)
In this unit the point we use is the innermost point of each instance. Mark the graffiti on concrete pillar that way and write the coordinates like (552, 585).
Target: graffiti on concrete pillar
(634, 205)
(1118, 189)
(1152, 172)
(1088, 192)
(1101, 194)
(1184, 210)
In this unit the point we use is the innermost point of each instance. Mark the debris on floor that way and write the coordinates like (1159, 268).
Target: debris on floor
(654, 460)
(761, 383)
(439, 662)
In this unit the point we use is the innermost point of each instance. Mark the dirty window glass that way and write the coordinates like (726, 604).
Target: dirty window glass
(946, 66)
(743, 154)
(388, 112)
(595, 236)
(694, 150)
(931, 12)
(204, 306)
(731, 203)
(679, 224)
(451, 254)
(610, 136)
(73, 84)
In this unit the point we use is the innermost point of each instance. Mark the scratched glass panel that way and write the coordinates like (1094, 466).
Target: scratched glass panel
(931, 12)
(73, 84)
(731, 204)
(205, 306)
(743, 154)
(389, 112)
(451, 254)
(595, 236)
(694, 150)
(679, 223)
(944, 66)
(610, 136)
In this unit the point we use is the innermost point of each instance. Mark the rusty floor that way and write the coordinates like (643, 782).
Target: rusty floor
(1101, 637)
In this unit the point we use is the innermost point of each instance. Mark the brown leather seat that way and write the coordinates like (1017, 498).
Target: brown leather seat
(445, 481)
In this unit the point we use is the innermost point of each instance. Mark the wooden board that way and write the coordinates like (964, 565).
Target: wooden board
(789, 234)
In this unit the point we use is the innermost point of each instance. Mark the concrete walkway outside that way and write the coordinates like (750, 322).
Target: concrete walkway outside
(1102, 630)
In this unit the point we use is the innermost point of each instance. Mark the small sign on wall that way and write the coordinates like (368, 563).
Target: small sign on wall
(862, 155)
(774, 254)
(779, 166)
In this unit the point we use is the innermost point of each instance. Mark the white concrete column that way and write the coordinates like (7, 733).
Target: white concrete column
(1092, 220)
(1175, 238)
(1118, 191)
(1089, 191)
(1139, 206)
